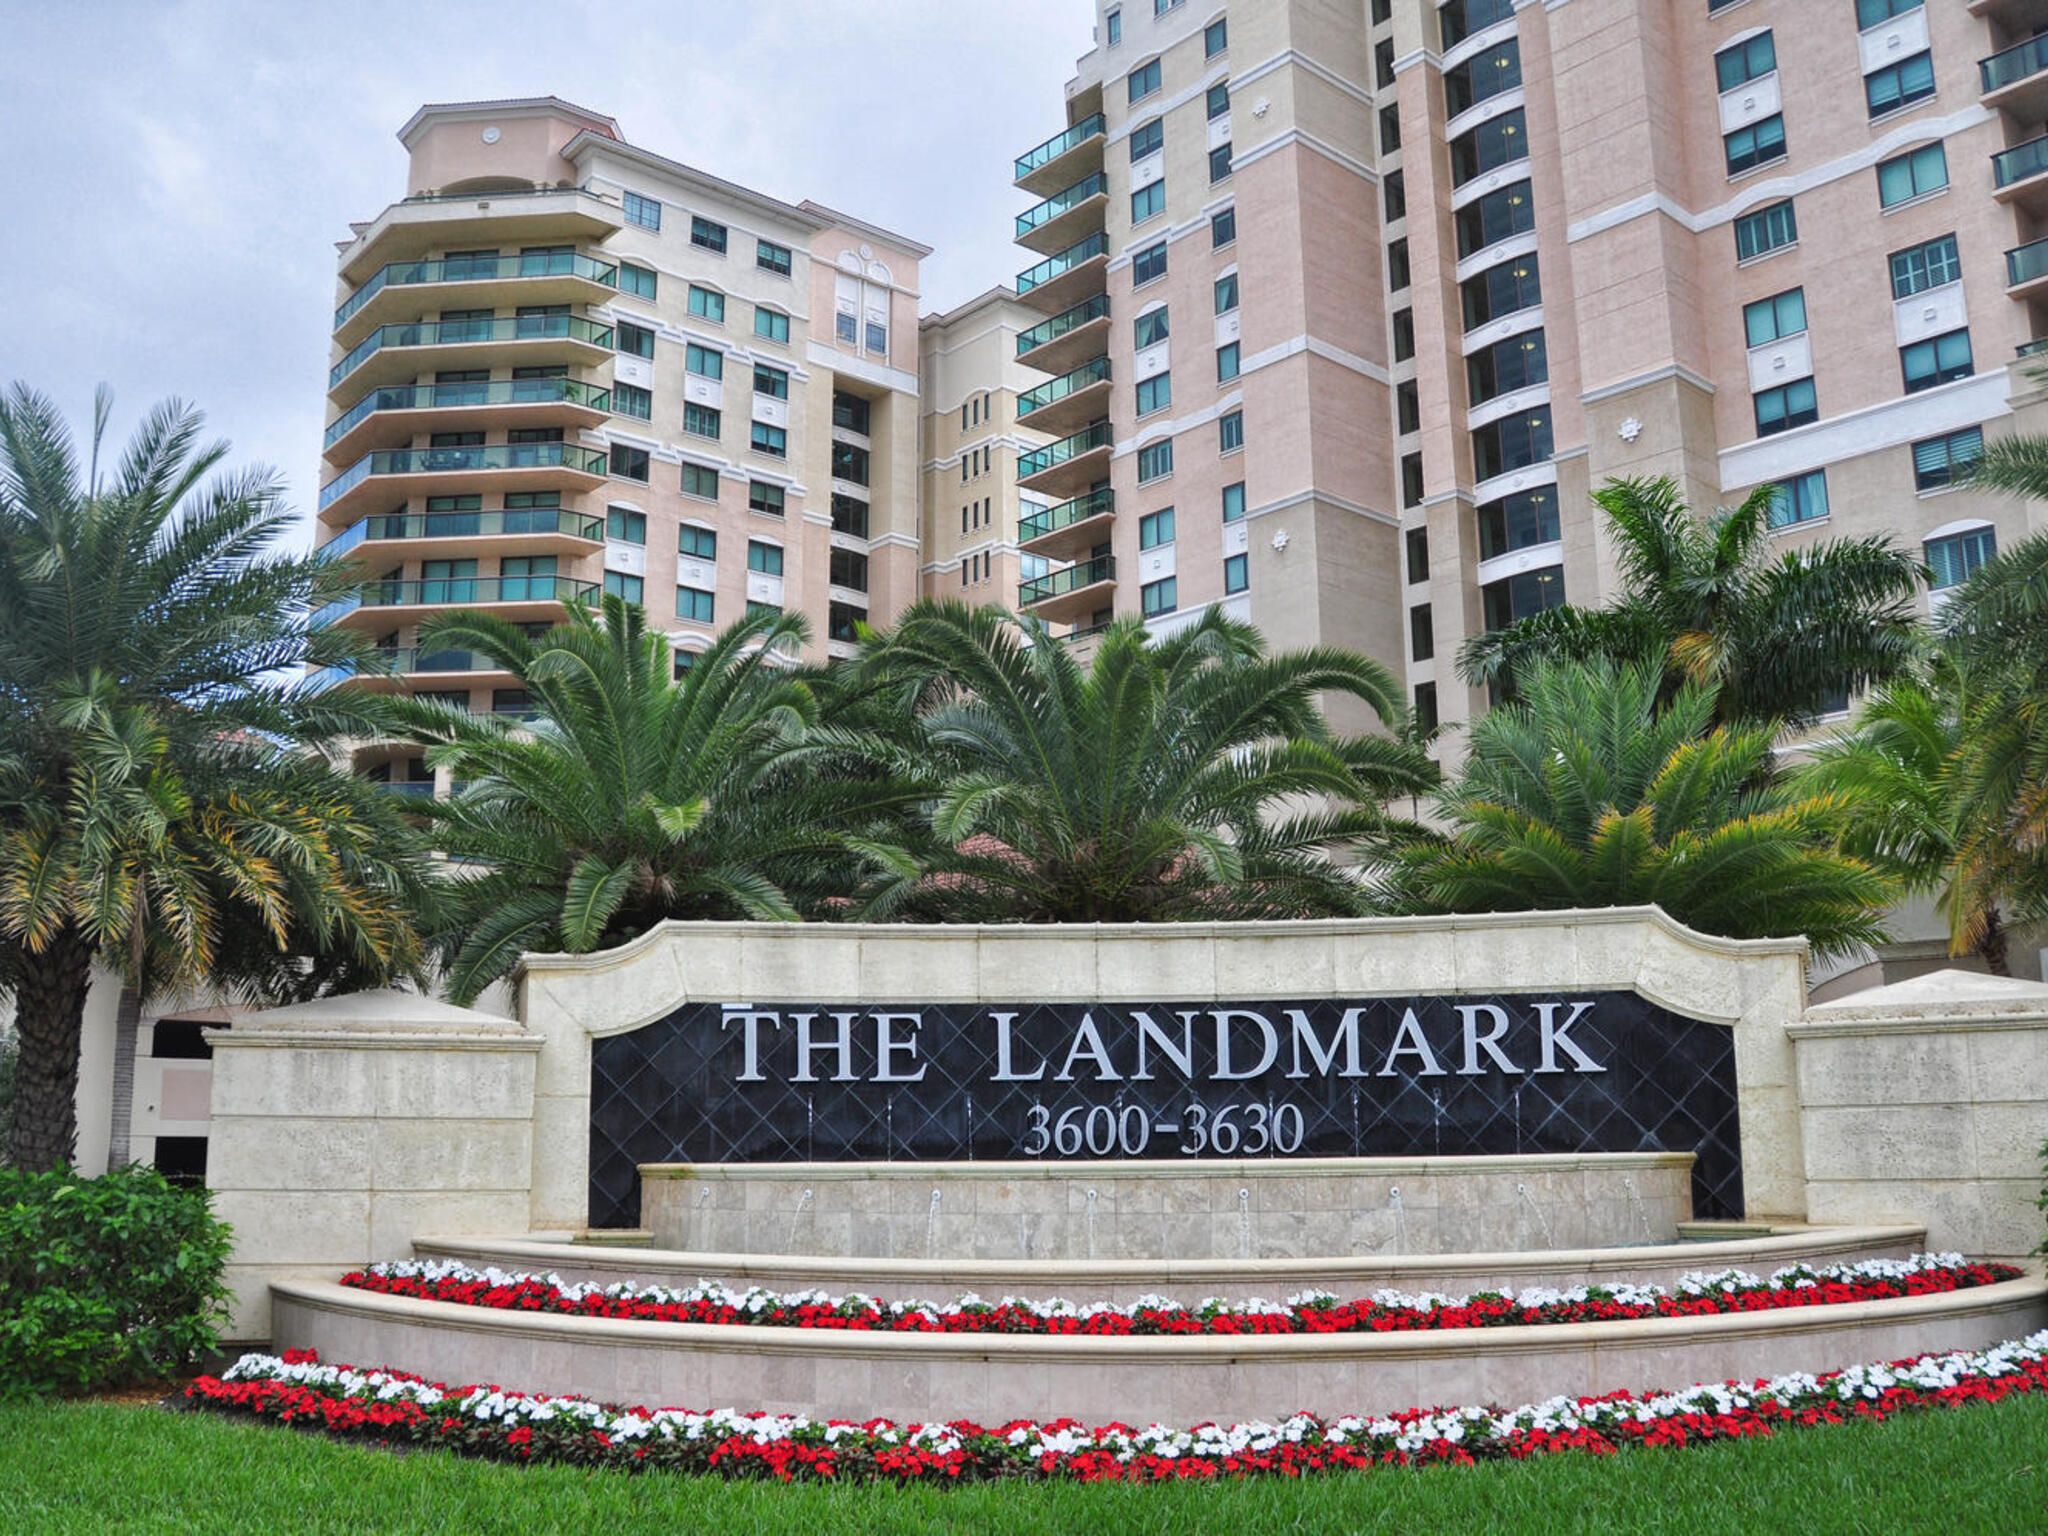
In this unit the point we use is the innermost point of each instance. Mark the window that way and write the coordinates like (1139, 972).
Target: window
(771, 440)
(1237, 574)
(1768, 229)
(633, 340)
(1425, 707)
(764, 610)
(1397, 265)
(773, 382)
(1495, 217)
(1937, 360)
(1936, 459)
(1147, 138)
(1382, 12)
(1155, 394)
(1155, 528)
(849, 569)
(1404, 334)
(1411, 479)
(1116, 28)
(1155, 460)
(1407, 407)
(706, 235)
(1787, 406)
(1215, 38)
(770, 257)
(701, 481)
(1960, 556)
(1217, 101)
(1802, 499)
(1744, 61)
(765, 558)
(1230, 432)
(850, 413)
(705, 362)
(707, 304)
(696, 543)
(1916, 173)
(1899, 85)
(625, 525)
(1222, 229)
(1161, 7)
(1493, 143)
(1383, 63)
(877, 337)
(1233, 503)
(1758, 144)
(1516, 284)
(1483, 76)
(1513, 442)
(694, 605)
(849, 463)
(1517, 363)
(1219, 164)
(1149, 329)
(629, 463)
(1226, 362)
(683, 661)
(1418, 555)
(619, 584)
(522, 578)
(1226, 293)
(771, 323)
(1148, 265)
(631, 400)
(644, 211)
(1461, 18)
(1518, 521)
(702, 420)
(1143, 81)
(764, 498)
(1925, 266)
(1421, 633)
(1157, 597)
(1148, 202)
(637, 281)
(849, 516)
(1390, 129)
(1532, 592)
(1870, 12)
(1772, 319)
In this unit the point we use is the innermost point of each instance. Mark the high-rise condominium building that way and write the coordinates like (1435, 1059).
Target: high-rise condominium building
(564, 365)
(1349, 304)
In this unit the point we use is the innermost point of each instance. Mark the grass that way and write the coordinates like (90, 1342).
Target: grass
(104, 1467)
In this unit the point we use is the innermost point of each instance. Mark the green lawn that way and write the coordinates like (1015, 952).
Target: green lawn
(89, 1467)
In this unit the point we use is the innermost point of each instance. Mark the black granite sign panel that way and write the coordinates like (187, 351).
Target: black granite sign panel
(1377, 1077)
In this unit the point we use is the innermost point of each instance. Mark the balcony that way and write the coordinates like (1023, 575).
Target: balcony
(2026, 269)
(1071, 595)
(1065, 217)
(1070, 466)
(1069, 530)
(391, 667)
(378, 478)
(1063, 281)
(509, 216)
(2020, 175)
(2016, 80)
(397, 354)
(392, 536)
(520, 599)
(392, 416)
(1063, 158)
(394, 292)
(1067, 339)
(1069, 402)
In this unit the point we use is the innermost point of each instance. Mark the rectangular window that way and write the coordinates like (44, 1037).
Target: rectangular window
(1237, 573)
(1503, 602)
(1802, 499)
(1155, 460)
(1219, 163)
(1230, 432)
(1404, 334)
(1226, 362)
(1397, 264)
(629, 463)
(771, 323)
(1960, 556)
(637, 281)
(1758, 144)
(1871, 12)
(765, 558)
(1147, 138)
(522, 578)
(1149, 329)
(761, 610)
(1513, 442)
(770, 257)
(1773, 319)
(1741, 62)
(625, 525)
(705, 362)
(1394, 194)
(1925, 266)
(1155, 528)
(1411, 479)
(702, 420)
(1155, 394)
(1218, 99)
(631, 400)
(849, 463)
(1899, 85)
(1383, 63)
(701, 481)
(1161, 7)
(1495, 142)
(1936, 459)
(1116, 28)
(1148, 265)
(694, 605)
(633, 340)
(773, 382)
(706, 235)
(1226, 293)
(1787, 406)
(1768, 229)
(1937, 360)
(1425, 707)
(1148, 202)
(1390, 129)
(707, 304)
(1518, 520)
(1418, 556)
(850, 413)
(849, 569)
(1222, 229)
(849, 516)
(773, 441)
(846, 327)
(619, 584)
(1233, 502)
(764, 498)
(1157, 597)
(1143, 81)
(1916, 173)
(1408, 405)
(644, 211)
(1421, 633)
(1215, 38)
(695, 543)
(877, 337)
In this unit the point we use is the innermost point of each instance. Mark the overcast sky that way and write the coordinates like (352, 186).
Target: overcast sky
(177, 171)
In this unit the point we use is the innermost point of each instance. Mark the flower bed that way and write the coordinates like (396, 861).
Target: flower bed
(1386, 1311)
(392, 1407)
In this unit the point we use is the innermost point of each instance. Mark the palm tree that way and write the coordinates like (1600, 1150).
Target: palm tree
(1586, 791)
(162, 810)
(1186, 777)
(1702, 598)
(634, 797)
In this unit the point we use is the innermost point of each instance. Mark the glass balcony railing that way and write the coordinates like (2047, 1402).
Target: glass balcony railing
(1085, 573)
(1059, 144)
(466, 591)
(1038, 524)
(476, 269)
(1051, 330)
(2020, 162)
(1088, 439)
(401, 663)
(2024, 263)
(439, 461)
(1095, 371)
(2014, 64)
(2033, 348)
(1060, 202)
(464, 525)
(443, 333)
(1053, 266)
(420, 397)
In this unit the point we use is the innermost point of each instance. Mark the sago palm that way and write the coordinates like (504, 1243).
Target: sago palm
(1587, 791)
(1186, 777)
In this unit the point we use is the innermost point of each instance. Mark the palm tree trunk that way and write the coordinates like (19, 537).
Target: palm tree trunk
(49, 1008)
(1997, 958)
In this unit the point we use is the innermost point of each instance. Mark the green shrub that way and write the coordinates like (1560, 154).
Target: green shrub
(105, 1281)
